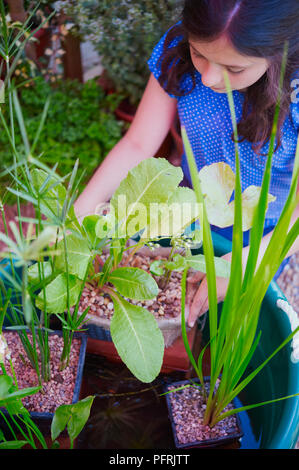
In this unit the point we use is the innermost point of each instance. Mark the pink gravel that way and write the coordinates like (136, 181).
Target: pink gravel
(167, 304)
(60, 389)
(188, 408)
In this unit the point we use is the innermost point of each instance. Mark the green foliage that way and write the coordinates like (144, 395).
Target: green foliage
(73, 417)
(134, 283)
(134, 330)
(80, 123)
(124, 32)
(142, 351)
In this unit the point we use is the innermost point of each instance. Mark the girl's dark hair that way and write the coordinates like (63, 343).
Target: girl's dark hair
(258, 28)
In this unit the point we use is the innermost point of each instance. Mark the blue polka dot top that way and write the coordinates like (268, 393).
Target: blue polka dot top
(207, 119)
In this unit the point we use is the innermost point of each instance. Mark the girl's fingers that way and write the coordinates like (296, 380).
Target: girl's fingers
(195, 278)
(191, 291)
(200, 302)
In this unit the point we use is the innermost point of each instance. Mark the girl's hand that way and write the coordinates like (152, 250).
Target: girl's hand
(197, 293)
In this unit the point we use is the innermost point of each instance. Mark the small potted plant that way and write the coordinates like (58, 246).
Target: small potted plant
(20, 430)
(234, 337)
(51, 360)
(19, 427)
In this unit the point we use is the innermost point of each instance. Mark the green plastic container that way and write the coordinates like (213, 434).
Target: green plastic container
(274, 426)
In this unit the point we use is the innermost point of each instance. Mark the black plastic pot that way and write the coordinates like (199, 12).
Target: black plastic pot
(231, 438)
(44, 419)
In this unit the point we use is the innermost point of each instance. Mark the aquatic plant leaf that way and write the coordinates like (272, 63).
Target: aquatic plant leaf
(12, 444)
(171, 218)
(52, 196)
(137, 338)
(56, 294)
(156, 267)
(198, 263)
(33, 272)
(134, 283)
(78, 255)
(89, 225)
(152, 181)
(73, 417)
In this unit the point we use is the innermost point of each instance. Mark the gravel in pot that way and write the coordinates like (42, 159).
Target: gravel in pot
(186, 409)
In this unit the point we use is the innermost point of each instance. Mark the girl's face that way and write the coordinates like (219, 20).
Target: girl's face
(212, 58)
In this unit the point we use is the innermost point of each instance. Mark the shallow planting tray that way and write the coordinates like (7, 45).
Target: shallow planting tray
(44, 419)
(234, 433)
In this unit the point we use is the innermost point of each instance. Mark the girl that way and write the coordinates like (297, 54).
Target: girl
(246, 38)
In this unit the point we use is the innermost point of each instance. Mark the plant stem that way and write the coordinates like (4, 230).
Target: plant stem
(64, 359)
(44, 318)
(65, 355)
(137, 246)
(167, 274)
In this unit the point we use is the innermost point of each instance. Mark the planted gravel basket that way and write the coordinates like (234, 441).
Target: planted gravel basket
(166, 308)
(64, 386)
(185, 410)
(276, 425)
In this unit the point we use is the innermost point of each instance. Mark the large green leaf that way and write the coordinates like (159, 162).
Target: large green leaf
(218, 183)
(89, 226)
(78, 255)
(33, 272)
(171, 218)
(138, 339)
(12, 444)
(9, 394)
(56, 294)
(134, 283)
(152, 181)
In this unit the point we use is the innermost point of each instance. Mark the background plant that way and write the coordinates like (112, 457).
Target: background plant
(124, 33)
(80, 124)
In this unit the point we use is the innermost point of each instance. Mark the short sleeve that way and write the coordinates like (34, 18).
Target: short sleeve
(295, 109)
(154, 61)
(294, 106)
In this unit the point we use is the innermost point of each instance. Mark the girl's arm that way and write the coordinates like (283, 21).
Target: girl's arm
(149, 128)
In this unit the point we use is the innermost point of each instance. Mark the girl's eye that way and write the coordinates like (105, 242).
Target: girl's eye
(198, 56)
(233, 71)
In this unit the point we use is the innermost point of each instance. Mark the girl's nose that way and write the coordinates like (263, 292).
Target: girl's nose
(212, 75)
